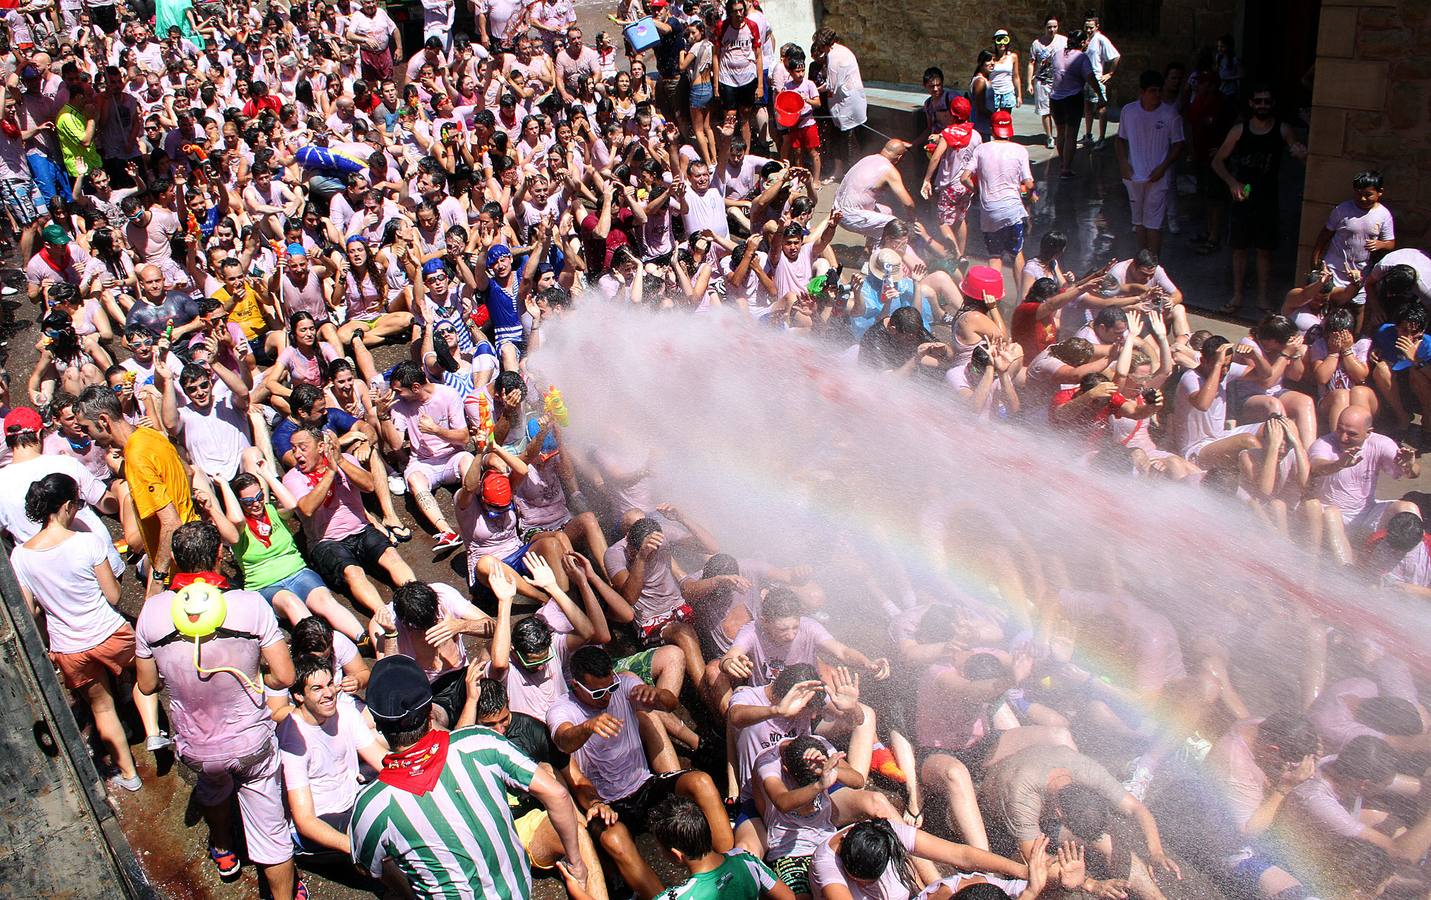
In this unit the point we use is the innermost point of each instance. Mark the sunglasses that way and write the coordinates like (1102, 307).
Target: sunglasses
(198, 386)
(255, 500)
(550, 655)
(598, 693)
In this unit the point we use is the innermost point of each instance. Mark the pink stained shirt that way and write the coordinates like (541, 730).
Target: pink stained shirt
(445, 408)
(769, 659)
(340, 515)
(1353, 489)
(216, 717)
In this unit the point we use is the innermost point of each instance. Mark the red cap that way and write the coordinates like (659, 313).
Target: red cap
(659, 3)
(496, 489)
(983, 284)
(960, 109)
(1003, 123)
(957, 135)
(22, 420)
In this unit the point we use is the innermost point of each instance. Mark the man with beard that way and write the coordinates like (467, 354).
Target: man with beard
(1248, 162)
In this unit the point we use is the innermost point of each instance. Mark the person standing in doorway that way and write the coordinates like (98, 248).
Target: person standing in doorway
(1150, 140)
(1248, 163)
(1040, 74)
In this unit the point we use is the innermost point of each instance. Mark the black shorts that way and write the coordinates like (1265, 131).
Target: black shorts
(1253, 223)
(974, 757)
(743, 95)
(331, 558)
(449, 691)
(633, 809)
(1067, 111)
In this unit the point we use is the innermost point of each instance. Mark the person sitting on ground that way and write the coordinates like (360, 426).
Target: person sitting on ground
(320, 745)
(328, 485)
(608, 768)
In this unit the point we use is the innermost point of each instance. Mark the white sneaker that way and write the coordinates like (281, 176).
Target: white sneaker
(1048, 141)
(8, 291)
(131, 785)
(397, 485)
(158, 741)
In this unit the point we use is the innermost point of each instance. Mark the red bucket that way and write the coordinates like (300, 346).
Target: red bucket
(788, 108)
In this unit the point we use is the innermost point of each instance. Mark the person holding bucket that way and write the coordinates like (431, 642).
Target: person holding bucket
(795, 115)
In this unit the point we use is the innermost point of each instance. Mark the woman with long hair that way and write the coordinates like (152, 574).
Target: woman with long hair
(301, 362)
(71, 589)
(64, 361)
(981, 94)
(362, 286)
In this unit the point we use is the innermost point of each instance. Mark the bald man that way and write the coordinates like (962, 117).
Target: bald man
(1345, 467)
(858, 196)
(156, 306)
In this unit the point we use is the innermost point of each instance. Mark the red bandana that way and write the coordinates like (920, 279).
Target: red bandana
(184, 579)
(50, 260)
(316, 476)
(417, 768)
(260, 527)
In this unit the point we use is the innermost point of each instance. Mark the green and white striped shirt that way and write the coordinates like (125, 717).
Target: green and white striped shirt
(457, 840)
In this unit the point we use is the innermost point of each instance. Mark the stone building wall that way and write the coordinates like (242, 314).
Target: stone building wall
(896, 40)
(1371, 108)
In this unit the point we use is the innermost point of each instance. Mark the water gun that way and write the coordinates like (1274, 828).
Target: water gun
(129, 377)
(484, 416)
(169, 330)
(197, 151)
(555, 406)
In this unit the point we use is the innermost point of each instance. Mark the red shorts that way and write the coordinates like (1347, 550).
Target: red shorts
(651, 631)
(80, 670)
(806, 138)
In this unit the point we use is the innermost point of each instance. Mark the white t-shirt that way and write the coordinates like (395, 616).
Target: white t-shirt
(1150, 134)
(1416, 260)
(1351, 228)
(62, 580)
(1001, 168)
(1100, 52)
(324, 757)
(1192, 425)
(705, 211)
(215, 439)
(735, 49)
(15, 481)
(1160, 276)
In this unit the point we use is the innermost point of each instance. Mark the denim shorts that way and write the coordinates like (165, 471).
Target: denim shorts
(301, 583)
(701, 95)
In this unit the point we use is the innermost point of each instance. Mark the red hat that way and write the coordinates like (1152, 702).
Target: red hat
(659, 3)
(1003, 122)
(23, 420)
(983, 284)
(957, 135)
(960, 108)
(496, 489)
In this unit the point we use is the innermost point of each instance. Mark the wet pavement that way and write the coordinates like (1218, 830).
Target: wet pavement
(161, 821)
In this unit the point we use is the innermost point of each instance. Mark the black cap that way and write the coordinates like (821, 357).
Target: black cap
(397, 689)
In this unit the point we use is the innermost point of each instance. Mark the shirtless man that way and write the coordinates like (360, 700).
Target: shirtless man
(856, 199)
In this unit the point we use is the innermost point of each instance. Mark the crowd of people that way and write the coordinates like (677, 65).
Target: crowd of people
(293, 277)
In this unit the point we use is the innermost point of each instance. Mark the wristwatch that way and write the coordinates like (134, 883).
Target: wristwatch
(161, 577)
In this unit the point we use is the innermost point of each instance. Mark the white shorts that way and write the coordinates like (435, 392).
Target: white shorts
(1042, 94)
(1359, 526)
(867, 222)
(1148, 201)
(448, 471)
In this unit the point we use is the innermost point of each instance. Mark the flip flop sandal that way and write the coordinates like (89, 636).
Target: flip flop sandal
(399, 533)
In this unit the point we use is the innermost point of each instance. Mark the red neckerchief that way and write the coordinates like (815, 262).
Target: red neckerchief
(184, 579)
(11, 129)
(49, 261)
(261, 528)
(417, 768)
(316, 476)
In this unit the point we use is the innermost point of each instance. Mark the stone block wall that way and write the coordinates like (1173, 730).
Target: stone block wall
(896, 40)
(1371, 109)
